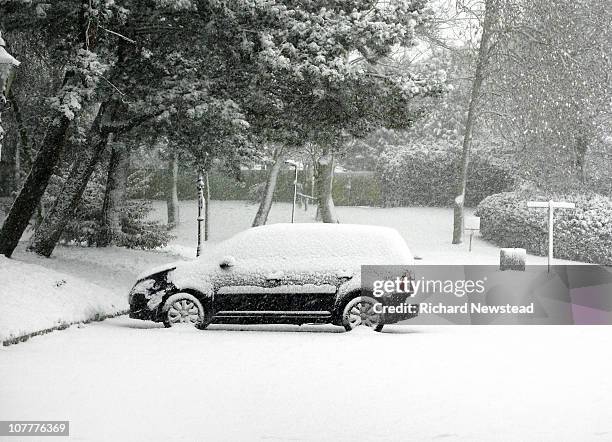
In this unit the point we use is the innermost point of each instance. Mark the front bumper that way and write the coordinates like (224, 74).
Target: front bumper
(139, 309)
(147, 295)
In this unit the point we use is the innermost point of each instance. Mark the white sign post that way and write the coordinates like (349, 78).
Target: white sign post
(472, 224)
(551, 205)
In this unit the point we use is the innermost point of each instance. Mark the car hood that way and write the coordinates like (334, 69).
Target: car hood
(159, 269)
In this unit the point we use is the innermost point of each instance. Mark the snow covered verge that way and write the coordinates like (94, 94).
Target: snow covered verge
(37, 300)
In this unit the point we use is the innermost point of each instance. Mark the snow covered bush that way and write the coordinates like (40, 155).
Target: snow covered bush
(139, 233)
(581, 234)
(418, 175)
(357, 189)
(85, 226)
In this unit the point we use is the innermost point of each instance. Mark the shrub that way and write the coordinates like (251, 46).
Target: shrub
(357, 189)
(582, 234)
(420, 176)
(139, 233)
(84, 227)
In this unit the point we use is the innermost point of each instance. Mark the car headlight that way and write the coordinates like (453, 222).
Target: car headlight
(142, 288)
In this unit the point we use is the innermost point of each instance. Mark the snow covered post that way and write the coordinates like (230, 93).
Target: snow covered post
(295, 183)
(7, 62)
(551, 205)
(200, 212)
(512, 259)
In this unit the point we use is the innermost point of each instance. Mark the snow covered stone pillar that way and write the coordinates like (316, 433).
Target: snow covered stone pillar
(512, 259)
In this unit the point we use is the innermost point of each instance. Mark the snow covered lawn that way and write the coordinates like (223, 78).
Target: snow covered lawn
(75, 285)
(35, 298)
(427, 230)
(133, 381)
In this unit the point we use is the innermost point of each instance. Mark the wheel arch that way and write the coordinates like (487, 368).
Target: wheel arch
(205, 300)
(344, 299)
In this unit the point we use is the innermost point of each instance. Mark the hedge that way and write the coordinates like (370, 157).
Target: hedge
(364, 189)
(423, 177)
(410, 177)
(581, 234)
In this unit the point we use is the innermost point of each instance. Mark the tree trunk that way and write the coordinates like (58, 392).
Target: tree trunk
(49, 232)
(172, 200)
(266, 203)
(34, 186)
(324, 184)
(17, 168)
(23, 137)
(581, 149)
(459, 203)
(206, 206)
(38, 178)
(114, 195)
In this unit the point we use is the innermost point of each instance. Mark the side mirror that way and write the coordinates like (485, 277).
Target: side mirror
(227, 262)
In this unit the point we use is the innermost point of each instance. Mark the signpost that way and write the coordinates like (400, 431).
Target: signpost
(551, 205)
(472, 224)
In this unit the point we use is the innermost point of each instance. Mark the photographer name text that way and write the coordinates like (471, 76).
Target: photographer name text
(443, 309)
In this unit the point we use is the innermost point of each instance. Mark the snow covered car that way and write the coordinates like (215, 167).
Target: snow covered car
(280, 273)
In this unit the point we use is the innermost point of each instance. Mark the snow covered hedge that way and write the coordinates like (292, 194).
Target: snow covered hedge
(583, 234)
(419, 176)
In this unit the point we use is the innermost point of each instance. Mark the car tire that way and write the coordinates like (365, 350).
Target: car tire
(358, 311)
(183, 308)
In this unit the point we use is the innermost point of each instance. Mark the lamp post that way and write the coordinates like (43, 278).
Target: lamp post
(200, 213)
(7, 62)
(295, 183)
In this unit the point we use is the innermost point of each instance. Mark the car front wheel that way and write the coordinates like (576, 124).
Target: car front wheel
(183, 309)
(360, 311)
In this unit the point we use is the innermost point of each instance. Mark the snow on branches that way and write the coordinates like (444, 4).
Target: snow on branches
(88, 69)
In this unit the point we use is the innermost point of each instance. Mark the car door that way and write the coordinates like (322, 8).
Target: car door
(311, 292)
(248, 288)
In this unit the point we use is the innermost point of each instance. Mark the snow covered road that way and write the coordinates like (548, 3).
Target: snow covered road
(127, 380)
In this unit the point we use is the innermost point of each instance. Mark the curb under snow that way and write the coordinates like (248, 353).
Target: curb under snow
(12, 340)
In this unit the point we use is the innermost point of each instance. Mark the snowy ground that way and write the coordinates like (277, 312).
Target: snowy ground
(104, 276)
(129, 380)
(35, 298)
(75, 285)
(427, 230)
(132, 381)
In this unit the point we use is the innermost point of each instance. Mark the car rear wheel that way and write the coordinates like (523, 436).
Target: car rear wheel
(183, 309)
(360, 311)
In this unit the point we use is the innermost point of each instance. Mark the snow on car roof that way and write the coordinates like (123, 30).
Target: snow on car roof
(318, 239)
(296, 249)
